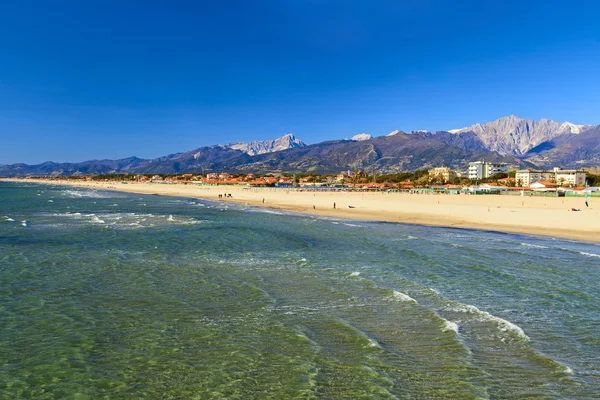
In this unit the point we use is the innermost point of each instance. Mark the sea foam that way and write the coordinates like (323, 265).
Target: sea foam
(503, 325)
(404, 297)
(537, 246)
(583, 253)
(450, 326)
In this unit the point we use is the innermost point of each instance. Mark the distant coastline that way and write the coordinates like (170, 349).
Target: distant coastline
(545, 216)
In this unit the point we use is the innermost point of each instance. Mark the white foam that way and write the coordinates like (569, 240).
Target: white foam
(97, 220)
(170, 218)
(404, 297)
(537, 246)
(192, 222)
(358, 226)
(24, 223)
(88, 194)
(66, 215)
(503, 325)
(583, 253)
(566, 370)
(373, 343)
(355, 274)
(8, 219)
(50, 201)
(450, 326)
(407, 237)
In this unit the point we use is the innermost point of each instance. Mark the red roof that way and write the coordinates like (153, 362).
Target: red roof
(547, 184)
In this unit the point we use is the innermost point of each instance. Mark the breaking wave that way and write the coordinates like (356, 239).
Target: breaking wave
(503, 325)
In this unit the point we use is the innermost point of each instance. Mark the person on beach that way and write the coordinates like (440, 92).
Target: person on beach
(334, 205)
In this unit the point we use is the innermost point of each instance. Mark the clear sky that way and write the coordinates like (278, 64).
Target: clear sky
(93, 79)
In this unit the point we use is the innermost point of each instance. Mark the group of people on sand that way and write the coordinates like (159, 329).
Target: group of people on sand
(225, 195)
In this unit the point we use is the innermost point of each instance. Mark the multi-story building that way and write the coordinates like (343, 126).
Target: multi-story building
(562, 177)
(525, 177)
(482, 169)
(569, 177)
(445, 174)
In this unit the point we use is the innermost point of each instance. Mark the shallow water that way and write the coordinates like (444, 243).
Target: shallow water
(112, 295)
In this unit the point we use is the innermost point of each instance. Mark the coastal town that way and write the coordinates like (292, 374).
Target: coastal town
(480, 178)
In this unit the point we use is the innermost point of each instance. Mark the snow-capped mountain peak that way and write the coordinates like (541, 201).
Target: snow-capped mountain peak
(361, 136)
(285, 142)
(574, 129)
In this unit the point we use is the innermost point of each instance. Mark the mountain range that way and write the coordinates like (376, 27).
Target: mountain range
(515, 136)
(518, 142)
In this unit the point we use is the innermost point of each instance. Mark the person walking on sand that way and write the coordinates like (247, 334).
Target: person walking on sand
(334, 205)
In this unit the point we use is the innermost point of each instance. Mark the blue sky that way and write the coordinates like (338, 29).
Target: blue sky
(92, 79)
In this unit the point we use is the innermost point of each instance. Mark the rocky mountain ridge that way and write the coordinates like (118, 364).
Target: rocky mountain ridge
(361, 136)
(515, 136)
(518, 142)
(285, 142)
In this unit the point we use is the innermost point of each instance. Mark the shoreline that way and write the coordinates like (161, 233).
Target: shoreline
(540, 216)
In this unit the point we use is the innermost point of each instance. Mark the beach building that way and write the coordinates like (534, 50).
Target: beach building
(482, 169)
(562, 177)
(543, 186)
(526, 177)
(492, 187)
(444, 174)
(569, 177)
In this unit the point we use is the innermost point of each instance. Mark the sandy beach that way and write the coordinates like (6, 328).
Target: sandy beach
(547, 216)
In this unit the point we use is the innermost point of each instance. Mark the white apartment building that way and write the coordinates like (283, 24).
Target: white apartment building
(482, 169)
(562, 177)
(569, 177)
(525, 177)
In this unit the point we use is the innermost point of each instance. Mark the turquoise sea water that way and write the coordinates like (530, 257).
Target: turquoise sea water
(108, 295)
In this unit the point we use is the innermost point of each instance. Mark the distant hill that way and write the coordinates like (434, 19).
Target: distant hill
(569, 151)
(387, 154)
(516, 141)
(67, 169)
